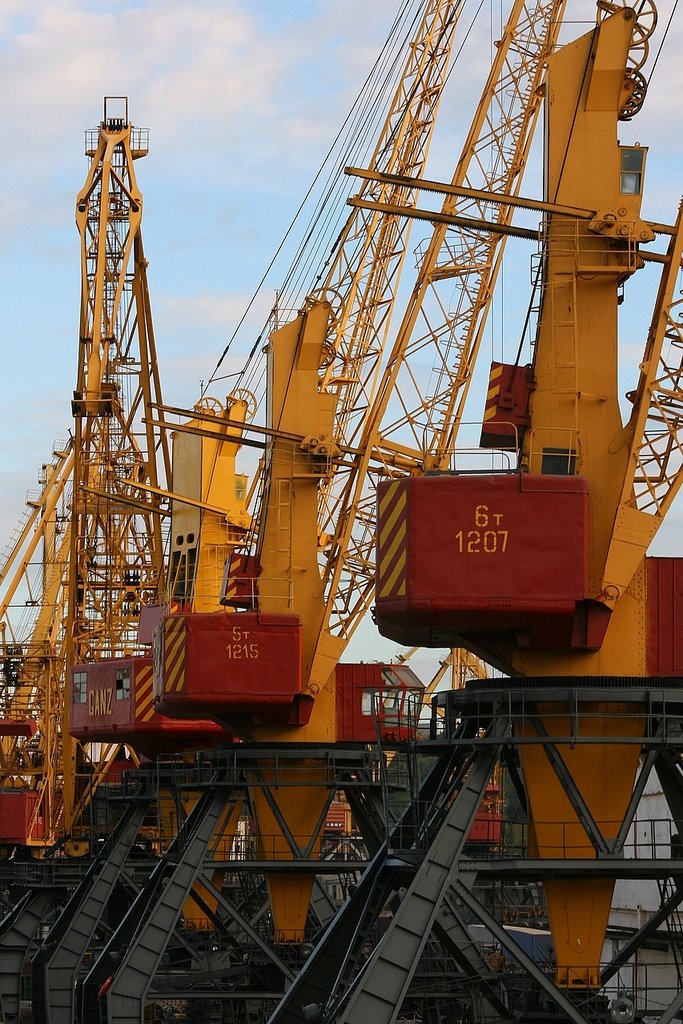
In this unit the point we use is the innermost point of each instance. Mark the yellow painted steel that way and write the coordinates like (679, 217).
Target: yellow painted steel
(301, 797)
(201, 537)
(290, 584)
(575, 414)
(579, 908)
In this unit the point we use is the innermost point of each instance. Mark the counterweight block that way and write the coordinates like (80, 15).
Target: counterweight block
(474, 554)
(243, 665)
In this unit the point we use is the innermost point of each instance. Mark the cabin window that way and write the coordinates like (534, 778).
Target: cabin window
(122, 684)
(80, 687)
(178, 575)
(392, 701)
(183, 566)
(368, 702)
(631, 177)
(391, 706)
(558, 462)
(377, 702)
(400, 676)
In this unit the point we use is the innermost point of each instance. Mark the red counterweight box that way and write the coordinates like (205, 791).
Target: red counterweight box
(17, 807)
(467, 554)
(111, 702)
(231, 664)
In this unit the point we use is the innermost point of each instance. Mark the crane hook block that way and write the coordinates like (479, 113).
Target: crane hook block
(465, 554)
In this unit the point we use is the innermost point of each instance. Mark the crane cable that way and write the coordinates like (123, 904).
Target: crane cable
(387, 145)
(328, 200)
(360, 130)
(349, 120)
(661, 45)
(337, 205)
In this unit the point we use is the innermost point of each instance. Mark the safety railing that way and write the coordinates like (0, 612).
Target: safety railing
(648, 839)
(548, 449)
(572, 711)
(208, 594)
(250, 846)
(585, 250)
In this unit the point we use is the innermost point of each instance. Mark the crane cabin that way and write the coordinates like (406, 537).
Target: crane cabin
(111, 702)
(377, 702)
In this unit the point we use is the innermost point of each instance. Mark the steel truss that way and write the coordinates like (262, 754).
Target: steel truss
(401, 946)
(436, 888)
(121, 941)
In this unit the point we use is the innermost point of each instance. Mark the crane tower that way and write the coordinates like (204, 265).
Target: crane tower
(533, 557)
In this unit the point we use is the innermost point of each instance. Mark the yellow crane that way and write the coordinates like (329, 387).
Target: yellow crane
(329, 563)
(568, 432)
(90, 555)
(321, 372)
(32, 612)
(346, 408)
(331, 374)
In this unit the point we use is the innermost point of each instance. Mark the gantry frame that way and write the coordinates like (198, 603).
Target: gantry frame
(421, 877)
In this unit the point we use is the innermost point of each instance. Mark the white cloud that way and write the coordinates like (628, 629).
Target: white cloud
(200, 310)
(242, 101)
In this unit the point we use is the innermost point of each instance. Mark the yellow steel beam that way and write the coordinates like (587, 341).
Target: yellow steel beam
(654, 472)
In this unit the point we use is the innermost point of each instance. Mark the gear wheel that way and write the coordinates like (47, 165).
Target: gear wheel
(637, 89)
(646, 22)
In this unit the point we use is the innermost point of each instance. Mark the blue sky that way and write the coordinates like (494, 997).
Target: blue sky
(242, 100)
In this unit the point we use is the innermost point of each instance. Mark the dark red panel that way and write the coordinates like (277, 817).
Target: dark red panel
(240, 584)
(350, 681)
(150, 615)
(506, 415)
(16, 809)
(505, 552)
(95, 710)
(372, 697)
(665, 616)
(232, 664)
(26, 727)
(486, 828)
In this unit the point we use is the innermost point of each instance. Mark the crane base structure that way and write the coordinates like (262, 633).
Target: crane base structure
(429, 929)
(443, 895)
